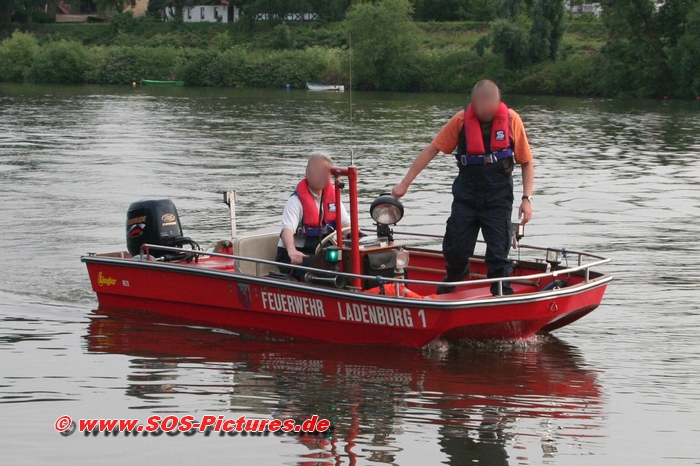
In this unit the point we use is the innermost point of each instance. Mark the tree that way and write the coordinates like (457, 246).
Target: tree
(330, 10)
(6, 9)
(384, 45)
(116, 5)
(547, 31)
(25, 8)
(506, 9)
(509, 40)
(643, 36)
(685, 58)
(453, 10)
(282, 37)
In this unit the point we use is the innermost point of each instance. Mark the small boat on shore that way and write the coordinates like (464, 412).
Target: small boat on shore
(374, 290)
(324, 87)
(152, 82)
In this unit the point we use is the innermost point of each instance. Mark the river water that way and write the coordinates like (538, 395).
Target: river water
(619, 178)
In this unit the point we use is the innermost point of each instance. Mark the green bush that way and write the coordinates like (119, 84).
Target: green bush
(572, 77)
(457, 70)
(61, 62)
(294, 67)
(16, 56)
(212, 67)
(123, 65)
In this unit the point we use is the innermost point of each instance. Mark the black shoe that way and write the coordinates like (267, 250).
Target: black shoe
(443, 289)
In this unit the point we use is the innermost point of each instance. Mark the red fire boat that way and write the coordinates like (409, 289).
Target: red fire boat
(374, 290)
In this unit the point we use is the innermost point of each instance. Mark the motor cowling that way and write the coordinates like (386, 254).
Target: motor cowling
(152, 221)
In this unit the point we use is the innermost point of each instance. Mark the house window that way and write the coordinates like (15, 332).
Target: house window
(189, 13)
(201, 11)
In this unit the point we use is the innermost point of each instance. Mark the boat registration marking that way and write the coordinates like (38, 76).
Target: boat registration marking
(380, 315)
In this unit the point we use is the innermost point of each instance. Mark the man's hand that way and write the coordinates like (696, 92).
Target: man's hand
(419, 164)
(297, 257)
(399, 190)
(525, 211)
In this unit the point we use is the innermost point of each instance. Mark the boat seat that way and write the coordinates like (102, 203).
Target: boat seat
(263, 246)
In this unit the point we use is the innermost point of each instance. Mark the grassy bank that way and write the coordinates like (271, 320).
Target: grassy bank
(445, 58)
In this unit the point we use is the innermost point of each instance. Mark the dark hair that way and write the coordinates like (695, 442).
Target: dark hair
(483, 85)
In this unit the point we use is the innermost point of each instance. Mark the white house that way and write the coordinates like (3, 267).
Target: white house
(203, 14)
(591, 8)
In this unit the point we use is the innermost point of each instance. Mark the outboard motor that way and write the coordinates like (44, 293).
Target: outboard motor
(154, 221)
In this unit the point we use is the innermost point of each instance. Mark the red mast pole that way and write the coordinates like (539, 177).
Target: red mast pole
(355, 223)
(339, 218)
(351, 173)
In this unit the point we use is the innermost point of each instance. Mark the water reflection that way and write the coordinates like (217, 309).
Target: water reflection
(478, 399)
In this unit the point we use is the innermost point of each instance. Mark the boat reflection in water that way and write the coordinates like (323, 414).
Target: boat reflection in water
(475, 396)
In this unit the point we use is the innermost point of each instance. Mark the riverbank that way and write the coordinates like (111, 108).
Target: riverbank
(446, 58)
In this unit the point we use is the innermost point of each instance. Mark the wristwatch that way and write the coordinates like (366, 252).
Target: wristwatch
(529, 198)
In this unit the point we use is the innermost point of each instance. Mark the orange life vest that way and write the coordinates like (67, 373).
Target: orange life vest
(472, 151)
(317, 222)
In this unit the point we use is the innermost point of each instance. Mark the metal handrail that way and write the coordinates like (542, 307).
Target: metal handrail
(470, 283)
(524, 246)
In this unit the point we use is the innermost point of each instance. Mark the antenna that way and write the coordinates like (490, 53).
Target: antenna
(352, 135)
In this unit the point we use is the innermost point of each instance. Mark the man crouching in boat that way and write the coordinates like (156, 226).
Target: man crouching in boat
(490, 138)
(309, 216)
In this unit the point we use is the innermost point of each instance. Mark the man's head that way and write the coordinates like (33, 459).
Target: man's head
(318, 170)
(485, 100)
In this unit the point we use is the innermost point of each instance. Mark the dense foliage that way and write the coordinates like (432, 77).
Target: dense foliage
(385, 45)
(638, 48)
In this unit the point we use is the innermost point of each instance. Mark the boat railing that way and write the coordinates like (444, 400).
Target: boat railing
(581, 266)
(579, 254)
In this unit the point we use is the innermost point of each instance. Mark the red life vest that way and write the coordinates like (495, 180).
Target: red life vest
(313, 223)
(500, 131)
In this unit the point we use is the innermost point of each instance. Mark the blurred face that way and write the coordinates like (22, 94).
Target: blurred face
(318, 174)
(485, 104)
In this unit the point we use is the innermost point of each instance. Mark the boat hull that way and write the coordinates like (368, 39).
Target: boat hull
(324, 87)
(152, 82)
(217, 296)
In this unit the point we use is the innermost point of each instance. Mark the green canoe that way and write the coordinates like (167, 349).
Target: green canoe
(151, 82)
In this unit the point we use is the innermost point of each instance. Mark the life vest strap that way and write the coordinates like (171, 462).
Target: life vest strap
(321, 231)
(486, 159)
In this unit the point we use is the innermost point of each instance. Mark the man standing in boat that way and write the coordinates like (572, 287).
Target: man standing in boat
(309, 215)
(490, 138)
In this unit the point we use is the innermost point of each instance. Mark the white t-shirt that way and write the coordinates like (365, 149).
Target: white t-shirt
(294, 213)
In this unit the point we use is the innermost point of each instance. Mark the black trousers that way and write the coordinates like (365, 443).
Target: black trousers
(283, 256)
(483, 200)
